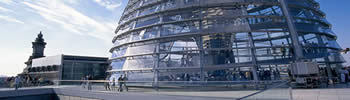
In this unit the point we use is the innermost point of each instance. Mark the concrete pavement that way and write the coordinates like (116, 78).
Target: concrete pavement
(150, 94)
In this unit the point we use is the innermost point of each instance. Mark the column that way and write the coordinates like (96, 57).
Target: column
(252, 51)
(201, 59)
(293, 31)
(156, 65)
(328, 66)
(200, 47)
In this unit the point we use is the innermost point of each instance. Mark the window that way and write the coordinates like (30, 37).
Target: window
(149, 33)
(147, 21)
(149, 10)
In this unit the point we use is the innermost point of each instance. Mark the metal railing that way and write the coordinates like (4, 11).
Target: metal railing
(280, 92)
(241, 90)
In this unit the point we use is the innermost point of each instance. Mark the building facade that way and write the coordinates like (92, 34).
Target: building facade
(68, 67)
(62, 67)
(220, 40)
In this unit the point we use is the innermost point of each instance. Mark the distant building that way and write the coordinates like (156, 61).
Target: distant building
(68, 67)
(63, 67)
(38, 50)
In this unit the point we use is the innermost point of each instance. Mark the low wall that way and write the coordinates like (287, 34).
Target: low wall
(76, 94)
(29, 94)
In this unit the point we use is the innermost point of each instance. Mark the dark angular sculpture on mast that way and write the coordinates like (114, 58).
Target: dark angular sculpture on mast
(38, 50)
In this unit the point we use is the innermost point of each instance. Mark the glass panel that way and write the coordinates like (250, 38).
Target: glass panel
(178, 28)
(244, 59)
(145, 2)
(265, 58)
(76, 70)
(133, 63)
(219, 57)
(191, 1)
(264, 10)
(241, 44)
(278, 34)
(139, 62)
(125, 28)
(122, 39)
(179, 76)
(224, 25)
(149, 10)
(183, 15)
(305, 13)
(128, 17)
(259, 35)
(217, 41)
(144, 34)
(262, 44)
(142, 49)
(180, 59)
(169, 4)
(147, 21)
(241, 74)
(279, 42)
(332, 43)
(241, 36)
(67, 70)
(222, 11)
(117, 64)
(179, 45)
(140, 77)
(263, 51)
(119, 52)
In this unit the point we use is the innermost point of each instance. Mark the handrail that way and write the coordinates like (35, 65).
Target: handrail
(103, 81)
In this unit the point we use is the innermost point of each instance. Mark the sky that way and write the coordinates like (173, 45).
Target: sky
(72, 27)
(86, 27)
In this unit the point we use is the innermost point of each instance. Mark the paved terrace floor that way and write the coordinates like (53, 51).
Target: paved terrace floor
(337, 93)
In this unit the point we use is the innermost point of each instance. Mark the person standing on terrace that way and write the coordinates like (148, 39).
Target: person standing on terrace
(106, 84)
(17, 82)
(89, 83)
(124, 82)
(120, 82)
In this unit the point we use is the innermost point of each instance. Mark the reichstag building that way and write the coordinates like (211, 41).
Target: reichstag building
(220, 40)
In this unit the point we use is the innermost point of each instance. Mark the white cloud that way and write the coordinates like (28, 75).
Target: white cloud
(14, 61)
(109, 4)
(9, 19)
(72, 20)
(6, 1)
(72, 1)
(54, 17)
(5, 9)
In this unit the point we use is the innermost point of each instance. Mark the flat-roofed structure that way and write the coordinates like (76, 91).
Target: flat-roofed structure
(62, 67)
(220, 40)
(68, 67)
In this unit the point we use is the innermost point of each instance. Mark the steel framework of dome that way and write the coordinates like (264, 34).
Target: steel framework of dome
(217, 40)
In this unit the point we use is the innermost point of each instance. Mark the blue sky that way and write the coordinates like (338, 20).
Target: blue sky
(76, 27)
(338, 14)
(86, 27)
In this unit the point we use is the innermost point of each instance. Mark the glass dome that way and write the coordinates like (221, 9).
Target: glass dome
(219, 40)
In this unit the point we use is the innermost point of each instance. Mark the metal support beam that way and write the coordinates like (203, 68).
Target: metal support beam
(293, 31)
(201, 57)
(155, 70)
(200, 47)
(252, 50)
(328, 66)
(156, 65)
